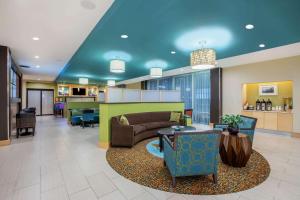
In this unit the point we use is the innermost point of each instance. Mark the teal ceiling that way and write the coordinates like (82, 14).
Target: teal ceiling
(157, 27)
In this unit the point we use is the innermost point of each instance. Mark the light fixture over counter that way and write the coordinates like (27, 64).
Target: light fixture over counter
(117, 66)
(83, 81)
(156, 72)
(203, 58)
(111, 83)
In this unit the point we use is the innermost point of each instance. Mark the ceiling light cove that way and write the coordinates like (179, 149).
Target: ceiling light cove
(156, 63)
(214, 37)
(121, 55)
(124, 36)
(249, 26)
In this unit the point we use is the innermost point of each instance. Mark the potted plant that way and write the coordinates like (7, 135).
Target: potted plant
(233, 122)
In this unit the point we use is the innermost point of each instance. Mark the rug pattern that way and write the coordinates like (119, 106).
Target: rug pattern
(138, 165)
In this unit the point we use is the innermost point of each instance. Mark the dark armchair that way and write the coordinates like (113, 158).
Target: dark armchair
(25, 120)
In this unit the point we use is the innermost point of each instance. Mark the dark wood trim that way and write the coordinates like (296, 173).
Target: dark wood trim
(4, 94)
(216, 95)
(144, 85)
(41, 102)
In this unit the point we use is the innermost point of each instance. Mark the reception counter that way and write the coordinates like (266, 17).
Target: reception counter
(272, 120)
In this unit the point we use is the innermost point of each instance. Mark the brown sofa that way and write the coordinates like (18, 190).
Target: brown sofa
(141, 126)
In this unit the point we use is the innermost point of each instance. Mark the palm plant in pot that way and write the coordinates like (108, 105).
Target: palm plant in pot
(233, 122)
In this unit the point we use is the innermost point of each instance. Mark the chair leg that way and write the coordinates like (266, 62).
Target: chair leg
(18, 132)
(173, 181)
(33, 131)
(215, 178)
(165, 163)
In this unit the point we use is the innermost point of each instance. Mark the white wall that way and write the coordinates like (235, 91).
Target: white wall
(269, 71)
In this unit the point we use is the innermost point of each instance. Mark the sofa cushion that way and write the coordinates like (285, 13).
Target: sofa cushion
(124, 120)
(138, 128)
(175, 116)
(141, 118)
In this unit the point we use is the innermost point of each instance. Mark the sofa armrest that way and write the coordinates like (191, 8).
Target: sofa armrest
(121, 135)
(167, 141)
(169, 155)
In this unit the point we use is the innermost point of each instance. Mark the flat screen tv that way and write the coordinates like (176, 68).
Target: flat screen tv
(78, 91)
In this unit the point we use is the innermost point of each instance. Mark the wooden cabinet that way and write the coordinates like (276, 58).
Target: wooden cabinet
(247, 113)
(270, 121)
(281, 121)
(285, 122)
(260, 119)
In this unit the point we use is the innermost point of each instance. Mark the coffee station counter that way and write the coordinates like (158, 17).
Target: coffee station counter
(273, 120)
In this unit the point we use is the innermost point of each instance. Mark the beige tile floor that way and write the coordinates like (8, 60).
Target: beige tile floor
(62, 162)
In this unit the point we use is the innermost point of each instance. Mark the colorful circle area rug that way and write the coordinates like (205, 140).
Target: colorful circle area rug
(143, 164)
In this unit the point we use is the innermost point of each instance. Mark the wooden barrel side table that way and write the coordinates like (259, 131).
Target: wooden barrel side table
(235, 150)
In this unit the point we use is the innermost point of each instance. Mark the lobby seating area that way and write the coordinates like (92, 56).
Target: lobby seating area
(84, 117)
(140, 126)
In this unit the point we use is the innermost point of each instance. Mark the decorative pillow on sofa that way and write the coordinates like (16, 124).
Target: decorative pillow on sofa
(124, 120)
(175, 117)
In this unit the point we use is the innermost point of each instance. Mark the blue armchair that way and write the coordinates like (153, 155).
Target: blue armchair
(247, 126)
(192, 153)
(87, 118)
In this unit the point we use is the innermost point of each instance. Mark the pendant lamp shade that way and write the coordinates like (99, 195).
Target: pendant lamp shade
(117, 66)
(111, 83)
(83, 81)
(204, 58)
(156, 72)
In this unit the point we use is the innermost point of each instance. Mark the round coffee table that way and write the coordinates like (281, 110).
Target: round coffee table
(170, 132)
(235, 150)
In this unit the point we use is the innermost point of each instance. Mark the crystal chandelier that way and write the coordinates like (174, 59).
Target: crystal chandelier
(204, 58)
(117, 66)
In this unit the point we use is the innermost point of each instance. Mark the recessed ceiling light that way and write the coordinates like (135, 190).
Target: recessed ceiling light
(36, 57)
(37, 66)
(262, 45)
(173, 52)
(249, 26)
(124, 36)
(38, 79)
(36, 38)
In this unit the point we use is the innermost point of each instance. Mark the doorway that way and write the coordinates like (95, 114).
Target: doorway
(42, 100)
